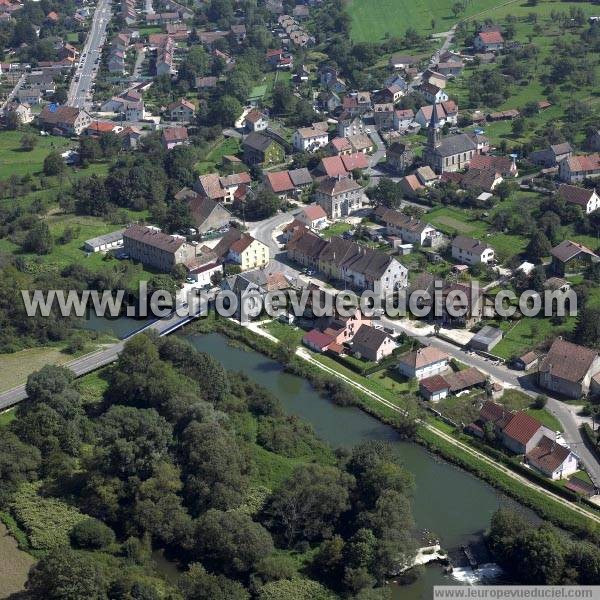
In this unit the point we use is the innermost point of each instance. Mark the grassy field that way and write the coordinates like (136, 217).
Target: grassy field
(372, 21)
(14, 368)
(526, 334)
(228, 146)
(14, 161)
(14, 564)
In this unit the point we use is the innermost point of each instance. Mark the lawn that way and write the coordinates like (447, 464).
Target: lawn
(525, 334)
(227, 146)
(336, 229)
(372, 21)
(289, 333)
(14, 565)
(14, 161)
(455, 221)
(15, 367)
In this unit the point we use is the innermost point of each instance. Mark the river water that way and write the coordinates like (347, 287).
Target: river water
(449, 502)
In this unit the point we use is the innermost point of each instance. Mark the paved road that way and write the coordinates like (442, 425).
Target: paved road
(80, 91)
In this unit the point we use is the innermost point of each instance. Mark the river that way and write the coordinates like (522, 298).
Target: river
(451, 503)
(448, 501)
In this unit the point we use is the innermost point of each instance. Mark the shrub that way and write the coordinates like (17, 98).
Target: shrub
(92, 534)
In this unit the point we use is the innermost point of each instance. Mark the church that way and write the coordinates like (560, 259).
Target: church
(451, 153)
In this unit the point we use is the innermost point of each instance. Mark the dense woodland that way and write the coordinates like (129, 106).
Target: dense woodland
(170, 457)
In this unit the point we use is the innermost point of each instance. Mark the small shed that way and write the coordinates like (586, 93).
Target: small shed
(103, 243)
(434, 388)
(486, 338)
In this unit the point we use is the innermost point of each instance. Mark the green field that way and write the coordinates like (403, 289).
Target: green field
(372, 21)
(14, 161)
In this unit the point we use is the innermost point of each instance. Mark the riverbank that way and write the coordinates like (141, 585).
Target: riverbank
(570, 516)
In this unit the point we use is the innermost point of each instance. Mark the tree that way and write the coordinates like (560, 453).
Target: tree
(92, 534)
(387, 193)
(28, 142)
(262, 205)
(197, 584)
(89, 149)
(65, 574)
(226, 110)
(539, 246)
(12, 120)
(309, 503)
(230, 542)
(587, 331)
(38, 239)
(19, 462)
(540, 401)
(54, 164)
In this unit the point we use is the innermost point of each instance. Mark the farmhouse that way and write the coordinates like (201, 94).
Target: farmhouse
(586, 198)
(567, 369)
(570, 258)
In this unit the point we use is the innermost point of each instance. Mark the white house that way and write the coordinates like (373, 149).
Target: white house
(471, 251)
(552, 459)
(309, 139)
(372, 344)
(588, 199)
(313, 216)
(432, 93)
(422, 363)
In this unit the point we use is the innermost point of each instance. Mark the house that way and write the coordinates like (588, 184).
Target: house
(329, 101)
(156, 249)
(238, 33)
(434, 388)
(552, 459)
(485, 180)
(165, 57)
(342, 260)
(557, 284)
(349, 124)
(450, 68)
(432, 93)
(339, 196)
(260, 149)
(426, 176)
(241, 248)
(402, 61)
(586, 198)
(422, 363)
(317, 341)
(383, 115)
(221, 189)
(372, 344)
(522, 433)
(403, 118)
(435, 78)
(392, 93)
(486, 338)
(23, 112)
(343, 329)
(309, 139)
(410, 229)
(567, 369)
(527, 361)
(313, 216)
(255, 120)
(399, 157)
(504, 166)
(99, 128)
(551, 156)
(339, 146)
(344, 165)
(361, 142)
(577, 168)
(570, 258)
(448, 154)
(104, 243)
(205, 83)
(470, 251)
(447, 112)
(289, 184)
(182, 111)
(174, 136)
(66, 120)
(207, 214)
(411, 186)
(488, 41)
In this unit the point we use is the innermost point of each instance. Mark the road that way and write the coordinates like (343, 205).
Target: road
(565, 413)
(80, 91)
